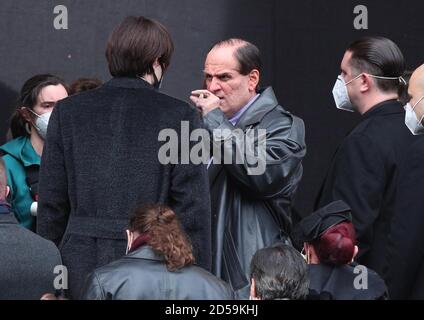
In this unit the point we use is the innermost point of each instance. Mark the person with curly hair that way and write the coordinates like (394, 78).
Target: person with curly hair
(159, 264)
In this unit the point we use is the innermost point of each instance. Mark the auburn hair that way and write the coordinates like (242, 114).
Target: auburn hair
(337, 244)
(166, 235)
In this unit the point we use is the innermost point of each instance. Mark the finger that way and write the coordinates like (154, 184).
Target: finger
(199, 92)
(194, 99)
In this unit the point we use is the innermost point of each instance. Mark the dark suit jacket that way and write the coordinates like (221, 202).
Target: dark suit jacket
(100, 162)
(365, 174)
(27, 262)
(142, 275)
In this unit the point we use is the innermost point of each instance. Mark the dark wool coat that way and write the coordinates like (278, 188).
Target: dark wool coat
(100, 162)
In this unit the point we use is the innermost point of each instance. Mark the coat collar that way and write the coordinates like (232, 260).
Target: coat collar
(384, 108)
(129, 83)
(6, 216)
(263, 104)
(145, 252)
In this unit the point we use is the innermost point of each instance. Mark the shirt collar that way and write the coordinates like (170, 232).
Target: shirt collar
(239, 113)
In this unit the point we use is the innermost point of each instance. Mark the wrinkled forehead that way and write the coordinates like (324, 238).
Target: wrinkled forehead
(221, 59)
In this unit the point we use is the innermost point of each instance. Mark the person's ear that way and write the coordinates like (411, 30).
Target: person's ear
(130, 239)
(7, 191)
(355, 252)
(365, 82)
(24, 113)
(253, 80)
(253, 293)
(156, 63)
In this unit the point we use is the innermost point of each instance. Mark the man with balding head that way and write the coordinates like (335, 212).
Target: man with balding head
(415, 108)
(405, 274)
(256, 163)
(27, 261)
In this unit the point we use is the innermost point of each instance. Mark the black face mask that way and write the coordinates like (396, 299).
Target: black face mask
(157, 82)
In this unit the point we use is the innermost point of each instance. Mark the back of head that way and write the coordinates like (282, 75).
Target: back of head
(381, 57)
(247, 54)
(84, 84)
(279, 272)
(165, 234)
(3, 181)
(336, 245)
(28, 97)
(134, 46)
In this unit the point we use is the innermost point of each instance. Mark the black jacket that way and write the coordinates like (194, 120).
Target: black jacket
(338, 283)
(142, 275)
(27, 262)
(365, 174)
(254, 211)
(100, 162)
(405, 252)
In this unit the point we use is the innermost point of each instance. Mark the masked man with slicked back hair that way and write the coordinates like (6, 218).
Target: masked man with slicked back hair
(365, 171)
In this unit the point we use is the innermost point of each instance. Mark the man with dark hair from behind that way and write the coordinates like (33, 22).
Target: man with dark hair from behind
(278, 273)
(159, 264)
(365, 170)
(102, 157)
(27, 261)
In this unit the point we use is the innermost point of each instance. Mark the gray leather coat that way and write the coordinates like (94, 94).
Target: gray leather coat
(142, 275)
(253, 211)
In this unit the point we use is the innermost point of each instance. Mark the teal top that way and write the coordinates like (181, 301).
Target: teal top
(19, 153)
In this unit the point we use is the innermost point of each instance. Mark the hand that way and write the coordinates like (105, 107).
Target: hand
(204, 100)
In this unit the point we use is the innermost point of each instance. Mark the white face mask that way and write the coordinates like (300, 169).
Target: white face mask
(42, 123)
(341, 96)
(411, 120)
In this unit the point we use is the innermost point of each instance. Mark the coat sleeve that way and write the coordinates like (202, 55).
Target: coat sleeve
(53, 205)
(92, 289)
(357, 176)
(266, 159)
(189, 197)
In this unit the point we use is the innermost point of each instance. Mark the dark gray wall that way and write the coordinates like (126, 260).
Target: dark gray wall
(302, 43)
